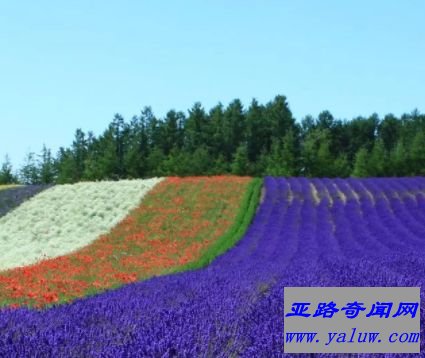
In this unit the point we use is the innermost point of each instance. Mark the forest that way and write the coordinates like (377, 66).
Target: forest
(262, 139)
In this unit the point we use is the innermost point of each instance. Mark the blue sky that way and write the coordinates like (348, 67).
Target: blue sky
(67, 65)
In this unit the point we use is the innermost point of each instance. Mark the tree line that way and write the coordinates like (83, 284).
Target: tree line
(263, 139)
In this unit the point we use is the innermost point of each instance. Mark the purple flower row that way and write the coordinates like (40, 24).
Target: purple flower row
(13, 197)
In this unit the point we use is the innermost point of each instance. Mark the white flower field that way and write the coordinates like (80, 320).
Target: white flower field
(65, 218)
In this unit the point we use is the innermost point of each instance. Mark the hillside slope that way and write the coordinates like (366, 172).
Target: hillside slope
(181, 224)
(367, 232)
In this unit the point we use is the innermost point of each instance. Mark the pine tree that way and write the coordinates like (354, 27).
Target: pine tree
(79, 155)
(289, 154)
(417, 154)
(196, 129)
(233, 128)
(255, 131)
(279, 118)
(240, 165)
(316, 155)
(29, 173)
(155, 162)
(200, 161)
(275, 166)
(216, 116)
(138, 148)
(341, 166)
(221, 166)
(398, 161)
(66, 167)
(378, 159)
(46, 169)
(6, 174)
(361, 165)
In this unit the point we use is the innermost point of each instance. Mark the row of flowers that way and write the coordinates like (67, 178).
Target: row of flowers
(175, 223)
(235, 306)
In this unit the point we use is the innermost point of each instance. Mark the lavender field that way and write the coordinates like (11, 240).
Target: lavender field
(12, 197)
(307, 232)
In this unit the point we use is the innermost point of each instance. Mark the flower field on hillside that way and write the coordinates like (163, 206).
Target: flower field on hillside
(177, 223)
(65, 218)
(306, 232)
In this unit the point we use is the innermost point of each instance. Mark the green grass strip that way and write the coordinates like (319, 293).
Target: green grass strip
(236, 231)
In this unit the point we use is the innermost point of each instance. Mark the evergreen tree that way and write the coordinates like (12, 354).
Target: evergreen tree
(255, 130)
(196, 129)
(216, 116)
(120, 142)
(274, 160)
(240, 165)
(177, 163)
(307, 125)
(264, 139)
(316, 155)
(325, 121)
(341, 167)
(155, 162)
(361, 165)
(66, 166)
(152, 127)
(279, 118)
(79, 155)
(108, 156)
(325, 162)
(221, 166)
(138, 148)
(47, 173)
(200, 162)
(378, 160)
(398, 160)
(29, 173)
(94, 168)
(172, 132)
(234, 128)
(362, 133)
(289, 154)
(388, 131)
(417, 154)
(6, 172)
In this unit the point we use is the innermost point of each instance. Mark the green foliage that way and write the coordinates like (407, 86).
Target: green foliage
(155, 162)
(47, 170)
(388, 131)
(274, 160)
(221, 166)
(6, 172)
(259, 140)
(67, 168)
(378, 159)
(240, 165)
(417, 154)
(361, 164)
(29, 173)
(317, 157)
(341, 166)
(282, 160)
(398, 160)
(256, 131)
